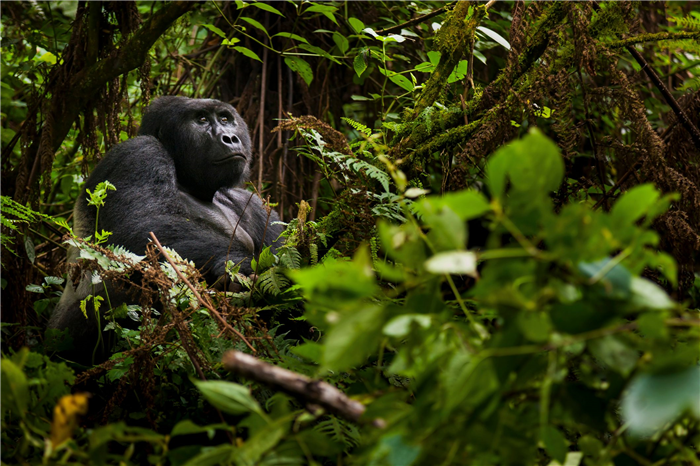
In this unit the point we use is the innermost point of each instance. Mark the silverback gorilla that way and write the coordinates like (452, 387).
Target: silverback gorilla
(179, 178)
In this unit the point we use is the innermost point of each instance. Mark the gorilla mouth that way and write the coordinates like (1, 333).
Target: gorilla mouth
(229, 158)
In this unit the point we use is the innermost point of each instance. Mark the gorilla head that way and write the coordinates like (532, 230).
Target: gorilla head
(214, 129)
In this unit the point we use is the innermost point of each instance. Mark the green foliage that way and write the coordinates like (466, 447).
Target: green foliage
(22, 215)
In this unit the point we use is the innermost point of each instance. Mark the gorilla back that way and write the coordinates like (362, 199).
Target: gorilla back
(180, 178)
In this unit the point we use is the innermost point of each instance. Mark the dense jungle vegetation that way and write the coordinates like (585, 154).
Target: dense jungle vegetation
(493, 219)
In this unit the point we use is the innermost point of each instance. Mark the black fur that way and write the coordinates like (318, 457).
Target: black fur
(180, 178)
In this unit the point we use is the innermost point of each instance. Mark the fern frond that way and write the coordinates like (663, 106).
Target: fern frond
(686, 22)
(357, 126)
(273, 281)
(290, 257)
(339, 431)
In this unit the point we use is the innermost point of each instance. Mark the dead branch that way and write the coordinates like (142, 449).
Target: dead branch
(314, 392)
(201, 300)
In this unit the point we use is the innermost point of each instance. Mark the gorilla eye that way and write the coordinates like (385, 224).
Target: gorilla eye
(202, 119)
(224, 119)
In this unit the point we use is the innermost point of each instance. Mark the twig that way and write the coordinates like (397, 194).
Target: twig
(204, 303)
(301, 387)
(413, 21)
(617, 185)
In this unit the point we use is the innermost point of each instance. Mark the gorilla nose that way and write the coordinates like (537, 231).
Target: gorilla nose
(230, 140)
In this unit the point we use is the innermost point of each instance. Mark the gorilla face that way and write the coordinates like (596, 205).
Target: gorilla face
(207, 139)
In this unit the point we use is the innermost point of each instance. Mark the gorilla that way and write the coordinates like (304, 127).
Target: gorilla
(181, 179)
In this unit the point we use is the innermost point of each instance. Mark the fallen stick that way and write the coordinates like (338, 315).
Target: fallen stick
(311, 392)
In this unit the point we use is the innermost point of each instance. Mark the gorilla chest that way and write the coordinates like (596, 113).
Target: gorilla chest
(220, 219)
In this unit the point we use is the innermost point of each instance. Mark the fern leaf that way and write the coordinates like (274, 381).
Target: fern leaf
(357, 126)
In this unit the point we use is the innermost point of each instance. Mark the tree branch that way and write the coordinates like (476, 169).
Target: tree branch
(298, 385)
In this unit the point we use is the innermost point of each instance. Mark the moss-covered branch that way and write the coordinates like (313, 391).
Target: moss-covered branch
(655, 37)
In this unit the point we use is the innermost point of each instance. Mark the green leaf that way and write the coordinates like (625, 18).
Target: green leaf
(289, 35)
(266, 7)
(352, 338)
(187, 427)
(495, 36)
(356, 24)
(453, 262)
(341, 42)
(402, 81)
(360, 63)
(29, 248)
(653, 400)
(213, 456)
(555, 443)
(302, 67)
(615, 354)
(49, 58)
(215, 30)
(32, 288)
(263, 441)
(533, 165)
(466, 204)
(649, 295)
(401, 325)
(256, 24)
(15, 390)
(325, 10)
(229, 397)
(459, 73)
(632, 205)
(248, 53)
(536, 326)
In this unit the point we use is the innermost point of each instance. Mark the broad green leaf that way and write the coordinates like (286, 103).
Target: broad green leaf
(536, 326)
(459, 72)
(495, 36)
(289, 35)
(533, 165)
(325, 10)
(248, 53)
(649, 295)
(32, 288)
(215, 30)
(447, 231)
(15, 390)
(341, 42)
(453, 262)
(256, 24)
(262, 442)
(187, 427)
(302, 67)
(353, 336)
(466, 204)
(356, 24)
(434, 57)
(402, 81)
(400, 326)
(229, 397)
(213, 456)
(617, 281)
(49, 58)
(653, 400)
(632, 205)
(555, 443)
(266, 7)
(359, 63)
